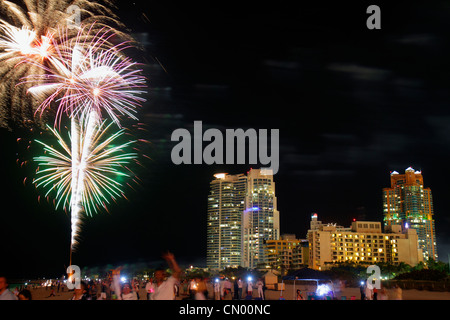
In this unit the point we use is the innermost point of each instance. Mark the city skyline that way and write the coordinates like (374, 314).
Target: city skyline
(407, 219)
(351, 105)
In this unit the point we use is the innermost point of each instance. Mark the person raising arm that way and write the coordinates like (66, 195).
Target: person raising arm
(164, 289)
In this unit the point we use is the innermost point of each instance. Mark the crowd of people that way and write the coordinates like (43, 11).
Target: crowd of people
(164, 287)
(170, 287)
(224, 289)
(160, 287)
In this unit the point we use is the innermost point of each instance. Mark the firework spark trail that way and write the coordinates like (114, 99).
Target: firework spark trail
(75, 204)
(81, 167)
(91, 182)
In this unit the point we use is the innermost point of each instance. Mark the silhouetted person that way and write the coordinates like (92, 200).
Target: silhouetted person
(236, 289)
(362, 290)
(25, 295)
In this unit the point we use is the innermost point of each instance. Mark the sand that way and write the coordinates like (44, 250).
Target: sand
(348, 293)
(287, 294)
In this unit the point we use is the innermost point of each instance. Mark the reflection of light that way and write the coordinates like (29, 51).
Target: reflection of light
(123, 279)
(217, 280)
(322, 289)
(406, 225)
(362, 283)
(249, 279)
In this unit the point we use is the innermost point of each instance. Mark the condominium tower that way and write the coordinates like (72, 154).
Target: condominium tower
(409, 204)
(242, 216)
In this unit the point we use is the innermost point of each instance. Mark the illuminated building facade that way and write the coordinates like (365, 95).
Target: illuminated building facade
(362, 243)
(242, 216)
(409, 204)
(287, 252)
(224, 225)
(261, 219)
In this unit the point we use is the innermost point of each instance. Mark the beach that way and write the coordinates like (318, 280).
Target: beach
(287, 294)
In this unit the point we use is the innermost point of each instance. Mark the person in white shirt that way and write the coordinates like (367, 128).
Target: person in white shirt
(217, 289)
(165, 289)
(124, 292)
(260, 285)
(128, 292)
(249, 289)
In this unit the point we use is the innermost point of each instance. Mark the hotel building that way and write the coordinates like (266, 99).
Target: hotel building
(410, 205)
(363, 243)
(287, 252)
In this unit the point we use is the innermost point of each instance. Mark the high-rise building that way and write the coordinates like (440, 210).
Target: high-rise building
(261, 219)
(242, 215)
(224, 225)
(363, 243)
(409, 204)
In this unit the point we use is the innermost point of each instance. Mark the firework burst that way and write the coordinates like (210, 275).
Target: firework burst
(86, 171)
(87, 76)
(51, 69)
(28, 33)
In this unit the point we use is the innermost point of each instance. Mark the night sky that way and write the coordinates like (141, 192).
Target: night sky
(351, 105)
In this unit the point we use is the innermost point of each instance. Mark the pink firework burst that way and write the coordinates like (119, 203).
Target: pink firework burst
(87, 74)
